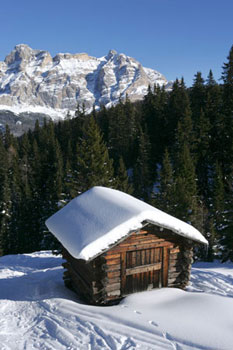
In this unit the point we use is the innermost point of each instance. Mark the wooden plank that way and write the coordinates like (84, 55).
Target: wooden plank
(133, 247)
(141, 240)
(134, 256)
(123, 274)
(144, 268)
(152, 257)
(165, 266)
(143, 254)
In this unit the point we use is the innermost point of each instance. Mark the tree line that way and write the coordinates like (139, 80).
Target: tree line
(173, 149)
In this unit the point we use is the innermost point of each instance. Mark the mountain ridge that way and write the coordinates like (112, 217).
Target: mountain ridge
(34, 81)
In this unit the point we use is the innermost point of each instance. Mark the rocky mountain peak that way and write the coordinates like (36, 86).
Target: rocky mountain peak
(111, 54)
(31, 80)
(20, 52)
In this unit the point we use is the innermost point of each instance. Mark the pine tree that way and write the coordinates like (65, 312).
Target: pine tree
(198, 97)
(203, 156)
(122, 179)
(219, 198)
(178, 107)
(5, 202)
(122, 132)
(94, 167)
(214, 114)
(210, 81)
(154, 117)
(142, 174)
(227, 137)
(227, 236)
(185, 193)
(227, 77)
(164, 199)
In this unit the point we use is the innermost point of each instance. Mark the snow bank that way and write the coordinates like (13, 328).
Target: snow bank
(39, 312)
(100, 217)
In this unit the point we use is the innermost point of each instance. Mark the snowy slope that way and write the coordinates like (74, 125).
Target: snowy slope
(31, 80)
(38, 312)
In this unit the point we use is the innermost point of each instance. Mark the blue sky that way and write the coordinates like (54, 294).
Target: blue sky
(176, 37)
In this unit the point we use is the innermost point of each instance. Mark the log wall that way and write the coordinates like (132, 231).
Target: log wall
(104, 279)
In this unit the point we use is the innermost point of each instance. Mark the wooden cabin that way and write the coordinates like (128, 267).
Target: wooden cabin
(115, 245)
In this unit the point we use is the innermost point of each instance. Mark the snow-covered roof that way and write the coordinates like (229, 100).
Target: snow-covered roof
(100, 217)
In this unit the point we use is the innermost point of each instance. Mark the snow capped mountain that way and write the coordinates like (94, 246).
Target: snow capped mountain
(33, 81)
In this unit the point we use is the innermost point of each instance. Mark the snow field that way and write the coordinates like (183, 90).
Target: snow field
(38, 312)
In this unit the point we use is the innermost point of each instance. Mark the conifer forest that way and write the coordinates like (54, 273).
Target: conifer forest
(174, 150)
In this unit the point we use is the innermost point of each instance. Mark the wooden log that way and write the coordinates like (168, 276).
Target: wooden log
(175, 250)
(106, 281)
(174, 274)
(113, 261)
(113, 274)
(111, 268)
(110, 256)
(174, 262)
(76, 276)
(112, 287)
(175, 268)
(115, 293)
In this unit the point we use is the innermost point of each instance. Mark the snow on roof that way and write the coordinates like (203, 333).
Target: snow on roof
(100, 217)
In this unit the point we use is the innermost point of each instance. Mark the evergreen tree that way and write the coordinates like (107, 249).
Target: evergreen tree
(94, 167)
(122, 179)
(165, 197)
(227, 77)
(227, 137)
(5, 202)
(142, 174)
(178, 107)
(210, 81)
(122, 132)
(203, 156)
(197, 97)
(214, 114)
(154, 117)
(185, 192)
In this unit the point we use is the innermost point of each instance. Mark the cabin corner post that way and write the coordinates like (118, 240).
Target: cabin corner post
(187, 258)
(181, 258)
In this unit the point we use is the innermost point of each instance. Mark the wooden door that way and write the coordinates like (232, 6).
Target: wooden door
(144, 269)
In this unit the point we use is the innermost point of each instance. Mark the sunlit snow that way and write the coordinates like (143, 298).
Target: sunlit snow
(101, 216)
(39, 312)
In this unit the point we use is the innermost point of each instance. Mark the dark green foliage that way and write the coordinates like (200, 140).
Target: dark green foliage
(165, 198)
(122, 179)
(197, 96)
(94, 166)
(142, 174)
(177, 147)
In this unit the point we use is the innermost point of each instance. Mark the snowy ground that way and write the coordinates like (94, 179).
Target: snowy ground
(38, 312)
